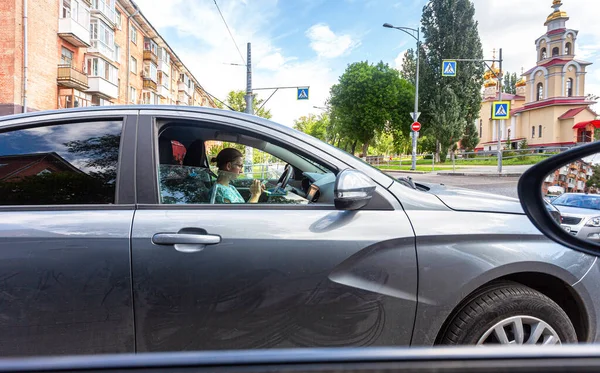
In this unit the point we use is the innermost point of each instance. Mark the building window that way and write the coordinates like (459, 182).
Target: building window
(98, 67)
(555, 51)
(569, 87)
(133, 35)
(150, 71)
(102, 37)
(149, 98)
(540, 91)
(540, 130)
(68, 98)
(98, 101)
(532, 132)
(133, 67)
(568, 48)
(66, 57)
(163, 55)
(132, 94)
(543, 54)
(118, 20)
(150, 45)
(117, 56)
(163, 79)
(480, 128)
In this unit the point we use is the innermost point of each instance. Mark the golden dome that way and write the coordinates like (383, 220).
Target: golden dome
(557, 14)
(521, 83)
(492, 73)
(490, 83)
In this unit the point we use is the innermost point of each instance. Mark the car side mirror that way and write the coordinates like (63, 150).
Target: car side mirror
(561, 197)
(353, 190)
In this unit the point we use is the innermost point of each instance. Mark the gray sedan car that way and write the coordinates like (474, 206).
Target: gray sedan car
(580, 214)
(112, 240)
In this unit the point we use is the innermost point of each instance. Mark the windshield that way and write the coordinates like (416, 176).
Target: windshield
(578, 200)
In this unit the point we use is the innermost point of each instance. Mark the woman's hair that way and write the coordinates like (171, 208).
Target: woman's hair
(226, 155)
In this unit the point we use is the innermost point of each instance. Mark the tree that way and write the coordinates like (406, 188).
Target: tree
(450, 31)
(409, 67)
(509, 85)
(313, 125)
(595, 178)
(370, 99)
(470, 138)
(449, 122)
(235, 99)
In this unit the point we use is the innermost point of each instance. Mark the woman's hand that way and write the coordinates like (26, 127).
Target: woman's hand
(256, 190)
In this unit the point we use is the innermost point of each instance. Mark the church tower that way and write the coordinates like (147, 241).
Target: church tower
(558, 74)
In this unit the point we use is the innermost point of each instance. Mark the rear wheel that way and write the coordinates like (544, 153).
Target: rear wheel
(510, 313)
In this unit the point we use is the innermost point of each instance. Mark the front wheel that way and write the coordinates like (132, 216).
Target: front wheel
(510, 313)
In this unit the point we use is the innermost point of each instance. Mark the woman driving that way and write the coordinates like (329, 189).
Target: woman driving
(231, 165)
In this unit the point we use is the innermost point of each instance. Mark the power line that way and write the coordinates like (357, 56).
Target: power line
(230, 34)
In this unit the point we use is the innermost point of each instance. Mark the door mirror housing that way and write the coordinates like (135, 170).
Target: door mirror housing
(353, 190)
(566, 183)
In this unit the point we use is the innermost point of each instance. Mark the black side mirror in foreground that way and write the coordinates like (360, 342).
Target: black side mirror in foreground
(570, 184)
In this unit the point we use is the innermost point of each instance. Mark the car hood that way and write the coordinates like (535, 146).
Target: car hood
(577, 211)
(462, 199)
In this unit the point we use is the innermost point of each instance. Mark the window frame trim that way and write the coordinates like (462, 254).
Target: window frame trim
(147, 182)
(124, 191)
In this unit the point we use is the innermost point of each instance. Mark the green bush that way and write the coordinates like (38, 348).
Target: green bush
(428, 156)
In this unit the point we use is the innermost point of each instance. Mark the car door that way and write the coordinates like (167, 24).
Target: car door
(66, 209)
(270, 275)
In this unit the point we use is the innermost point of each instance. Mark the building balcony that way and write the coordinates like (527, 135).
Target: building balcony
(571, 185)
(182, 103)
(70, 77)
(183, 97)
(150, 84)
(163, 91)
(102, 87)
(181, 87)
(164, 66)
(563, 171)
(74, 32)
(99, 47)
(105, 11)
(150, 56)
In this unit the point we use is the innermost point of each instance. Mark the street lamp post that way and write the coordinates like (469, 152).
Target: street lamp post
(414, 33)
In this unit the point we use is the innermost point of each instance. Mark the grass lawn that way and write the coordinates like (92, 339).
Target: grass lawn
(491, 161)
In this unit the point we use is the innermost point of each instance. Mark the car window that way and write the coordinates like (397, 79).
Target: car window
(192, 170)
(581, 201)
(65, 164)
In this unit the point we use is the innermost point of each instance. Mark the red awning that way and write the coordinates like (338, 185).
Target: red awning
(595, 123)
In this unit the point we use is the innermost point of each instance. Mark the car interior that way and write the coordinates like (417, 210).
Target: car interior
(185, 175)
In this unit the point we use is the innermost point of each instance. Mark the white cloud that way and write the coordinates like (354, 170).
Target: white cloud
(210, 60)
(327, 44)
(399, 60)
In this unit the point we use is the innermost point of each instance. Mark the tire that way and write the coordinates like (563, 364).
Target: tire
(507, 302)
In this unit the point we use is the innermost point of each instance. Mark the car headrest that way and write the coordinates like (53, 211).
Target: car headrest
(196, 155)
(165, 151)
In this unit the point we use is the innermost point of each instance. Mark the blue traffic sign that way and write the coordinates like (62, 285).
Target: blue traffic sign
(501, 110)
(449, 68)
(302, 93)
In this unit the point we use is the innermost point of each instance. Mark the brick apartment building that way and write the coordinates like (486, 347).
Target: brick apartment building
(572, 178)
(87, 53)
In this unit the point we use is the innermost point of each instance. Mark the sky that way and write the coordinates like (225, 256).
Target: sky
(311, 42)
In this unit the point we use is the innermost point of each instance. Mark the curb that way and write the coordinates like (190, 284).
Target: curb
(479, 174)
(406, 171)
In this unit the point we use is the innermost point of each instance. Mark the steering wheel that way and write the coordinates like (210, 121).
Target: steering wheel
(288, 172)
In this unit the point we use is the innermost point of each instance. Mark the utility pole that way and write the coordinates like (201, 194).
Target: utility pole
(500, 122)
(249, 107)
(415, 34)
(498, 76)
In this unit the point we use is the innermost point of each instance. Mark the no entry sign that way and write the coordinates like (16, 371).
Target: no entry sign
(416, 126)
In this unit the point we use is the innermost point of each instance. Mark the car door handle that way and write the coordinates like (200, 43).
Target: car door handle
(185, 239)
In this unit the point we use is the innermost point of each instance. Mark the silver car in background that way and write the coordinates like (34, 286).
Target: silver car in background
(580, 214)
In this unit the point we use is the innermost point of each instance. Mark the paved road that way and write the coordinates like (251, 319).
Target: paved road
(489, 169)
(506, 186)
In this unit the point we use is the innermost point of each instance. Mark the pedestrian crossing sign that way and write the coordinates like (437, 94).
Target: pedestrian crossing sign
(449, 68)
(501, 110)
(302, 93)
